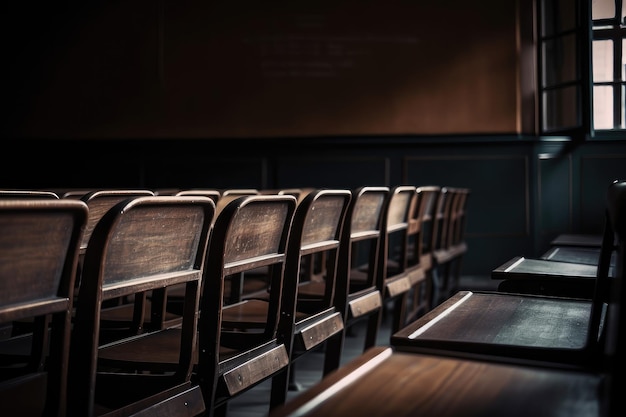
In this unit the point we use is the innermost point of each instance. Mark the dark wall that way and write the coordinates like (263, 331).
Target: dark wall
(523, 192)
(203, 69)
(187, 94)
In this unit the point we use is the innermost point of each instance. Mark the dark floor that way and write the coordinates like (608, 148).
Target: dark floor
(255, 403)
(308, 371)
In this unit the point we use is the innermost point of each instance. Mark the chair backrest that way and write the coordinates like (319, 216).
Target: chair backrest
(394, 250)
(420, 256)
(213, 194)
(250, 232)
(315, 238)
(78, 194)
(100, 201)
(422, 224)
(228, 195)
(239, 191)
(4, 194)
(141, 244)
(39, 247)
(441, 235)
(458, 217)
(361, 239)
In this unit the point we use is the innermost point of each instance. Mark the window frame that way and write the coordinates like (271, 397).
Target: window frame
(612, 29)
(586, 31)
(553, 31)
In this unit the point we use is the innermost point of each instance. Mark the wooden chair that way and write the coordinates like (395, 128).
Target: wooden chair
(227, 195)
(165, 191)
(250, 232)
(117, 317)
(315, 236)
(100, 201)
(420, 259)
(4, 194)
(439, 245)
(235, 287)
(449, 244)
(77, 194)
(213, 194)
(141, 244)
(25, 325)
(526, 328)
(299, 193)
(358, 299)
(383, 382)
(397, 278)
(239, 191)
(39, 248)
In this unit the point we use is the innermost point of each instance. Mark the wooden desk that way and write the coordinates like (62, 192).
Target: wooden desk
(576, 254)
(546, 277)
(384, 383)
(576, 239)
(516, 328)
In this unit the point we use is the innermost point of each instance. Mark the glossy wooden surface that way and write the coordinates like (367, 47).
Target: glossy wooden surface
(100, 201)
(581, 255)
(547, 277)
(384, 383)
(39, 247)
(394, 253)
(143, 244)
(517, 327)
(520, 267)
(575, 239)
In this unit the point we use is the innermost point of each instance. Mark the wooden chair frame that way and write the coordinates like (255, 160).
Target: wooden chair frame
(39, 249)
(141, 244)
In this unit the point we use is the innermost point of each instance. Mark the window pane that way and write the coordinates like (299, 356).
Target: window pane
(558, 16)
(602, 61)
(623, 59)
(602, 9)
(560, 62)
(603, 107)
(623, 113)
(560, 109)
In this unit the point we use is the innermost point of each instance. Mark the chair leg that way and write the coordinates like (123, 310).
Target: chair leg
(293, 384)
(221, 410)
(373, 323)
(334, 347)
(281, 382)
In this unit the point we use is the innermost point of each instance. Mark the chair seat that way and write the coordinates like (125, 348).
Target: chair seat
(245, 314)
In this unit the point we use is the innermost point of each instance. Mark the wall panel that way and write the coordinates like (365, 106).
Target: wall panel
(597, 171)
(332, 172)
(554, 190)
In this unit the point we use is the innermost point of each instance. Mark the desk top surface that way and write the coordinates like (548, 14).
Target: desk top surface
(575, 239)
(383, 383)
(520, 267)
(501, 319)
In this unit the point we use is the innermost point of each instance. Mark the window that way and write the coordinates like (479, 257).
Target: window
(608, 65)
(564, 78)
(583, 67)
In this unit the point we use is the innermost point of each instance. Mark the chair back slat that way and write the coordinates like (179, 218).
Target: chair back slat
(141, 244)
(39, 249)
(100, 201)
